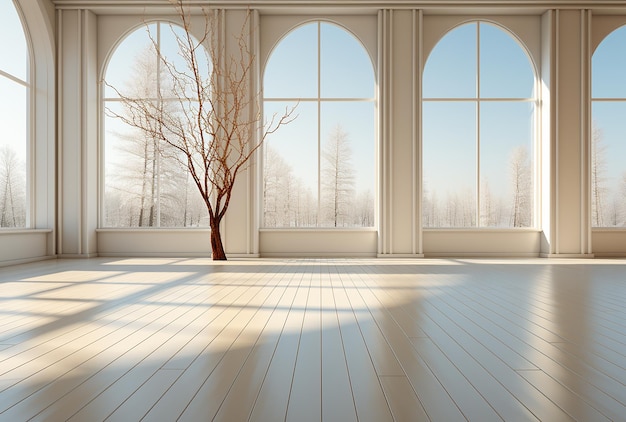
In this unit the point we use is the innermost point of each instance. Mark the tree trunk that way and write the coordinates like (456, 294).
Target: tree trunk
(217, 248)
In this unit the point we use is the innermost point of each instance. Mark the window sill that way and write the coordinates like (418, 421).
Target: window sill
(8, 231)
(153, 229)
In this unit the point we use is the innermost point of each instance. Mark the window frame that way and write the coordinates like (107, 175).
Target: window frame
(478, 100)
(29, 158)
(602, 100)
(159, 22)
(319, 100)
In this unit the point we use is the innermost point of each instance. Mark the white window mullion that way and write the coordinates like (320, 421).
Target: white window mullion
(14, 78)
(319, 123)
(157, 156)
(478, 96)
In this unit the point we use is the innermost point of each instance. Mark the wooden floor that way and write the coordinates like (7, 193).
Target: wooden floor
(319, 340)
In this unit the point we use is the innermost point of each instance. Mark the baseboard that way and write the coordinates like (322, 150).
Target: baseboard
(77, 255)
(400, 255)
(26, 260)
(316, 255)
(155, 255)
(242, 255)
(568, 255)
(481, 255)
(610, 255)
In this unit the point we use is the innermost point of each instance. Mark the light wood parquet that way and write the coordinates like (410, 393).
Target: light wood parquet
(164, 339)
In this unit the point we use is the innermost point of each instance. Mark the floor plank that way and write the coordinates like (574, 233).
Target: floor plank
(369, 399)
(305, 396)
(273, 398)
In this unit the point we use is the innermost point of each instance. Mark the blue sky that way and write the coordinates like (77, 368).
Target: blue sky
(609, 82)
(14, 62)
(13, 52)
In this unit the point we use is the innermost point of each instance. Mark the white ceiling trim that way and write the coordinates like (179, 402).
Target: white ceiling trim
(379, 4)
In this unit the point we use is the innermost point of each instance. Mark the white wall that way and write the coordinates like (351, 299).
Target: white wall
(560, 42)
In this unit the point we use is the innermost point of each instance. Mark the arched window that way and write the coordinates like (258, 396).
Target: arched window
(14, 119)
(145, 182)
(319, 171)
(478, 126)
(608, 140)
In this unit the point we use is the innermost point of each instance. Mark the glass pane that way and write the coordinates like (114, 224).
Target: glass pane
(146, 184)
(291, 71)
(13, 116)
(174, 55)
(609, 66)
(449, 162)
(505, 70)
(13, 49)
(450, 71)
(345, 67)
(348, 164)
(506, 140)
(608, 169)
(180, 202)
(132, 70)
(290, 172)
(168, 44)
(131, 163)
(13, 153)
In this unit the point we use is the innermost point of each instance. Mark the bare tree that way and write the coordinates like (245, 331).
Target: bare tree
(612, 213)
(214, 123)
(598, 178)
(305, 205)
(364, 209)
(194, 210)
(337, 176)
(135, 177)
(12, 189)
(453, 211)
(431, 213)
(277, 189)
(622, 201)
(287, 201)
(488, 211)
(521, 181)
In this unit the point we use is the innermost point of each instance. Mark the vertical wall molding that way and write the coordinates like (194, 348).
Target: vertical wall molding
(82, 131)
(39, 27)
(240, 226)
(585, 132)
(400, 96)
(569, 227)
(385, 18)
(77, 135)
(549, 129)
(59, 144)
(418, 67)
(254, 178)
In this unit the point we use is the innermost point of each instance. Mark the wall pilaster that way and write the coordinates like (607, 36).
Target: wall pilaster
(77, 133)
(566, 138)
(399, 82)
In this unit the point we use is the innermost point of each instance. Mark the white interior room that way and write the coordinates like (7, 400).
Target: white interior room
(478, 139)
